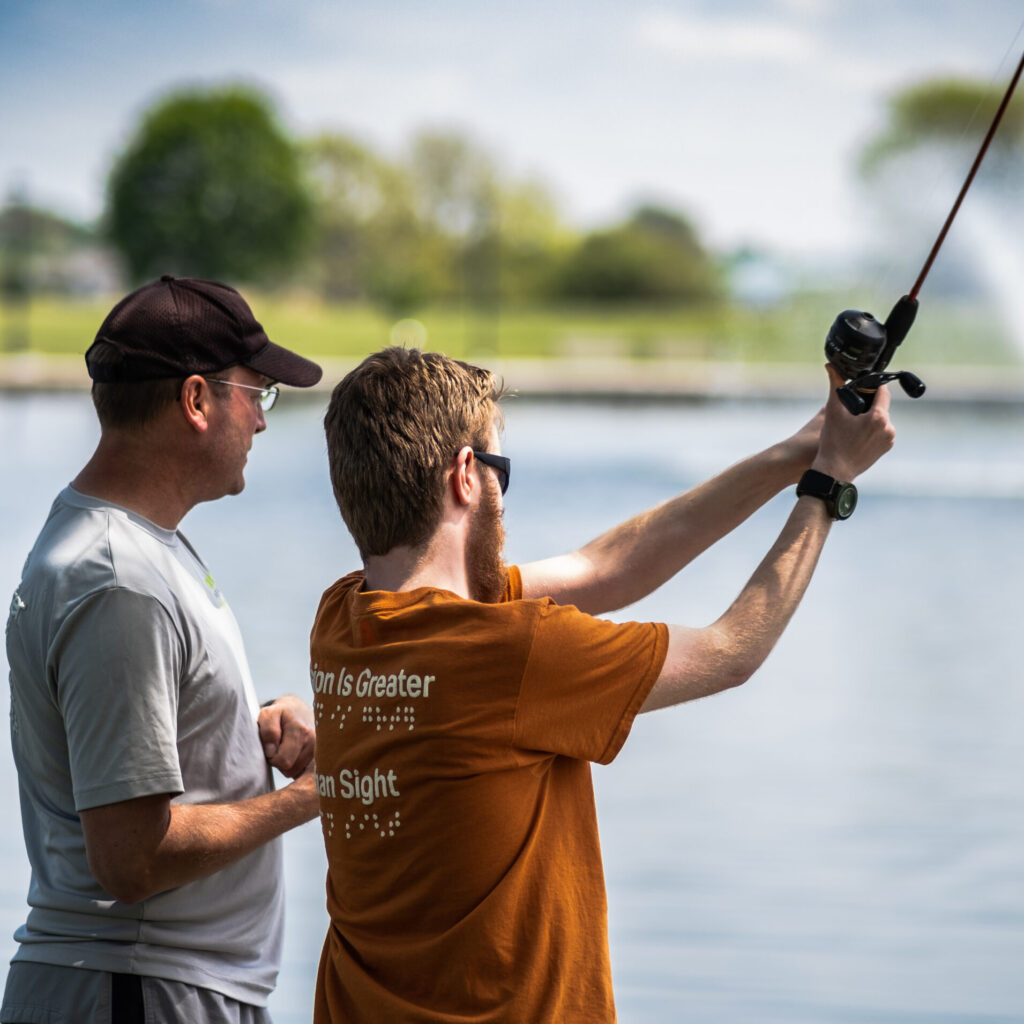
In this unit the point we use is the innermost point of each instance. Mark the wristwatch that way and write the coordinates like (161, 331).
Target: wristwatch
(840, 499)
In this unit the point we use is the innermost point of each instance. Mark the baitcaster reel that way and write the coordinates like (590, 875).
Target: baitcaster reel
(860, 348)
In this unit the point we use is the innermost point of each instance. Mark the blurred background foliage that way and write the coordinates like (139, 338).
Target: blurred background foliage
(948, 112)
(344, 244)
(209, 186)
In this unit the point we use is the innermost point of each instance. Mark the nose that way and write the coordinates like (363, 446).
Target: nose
(261, 420)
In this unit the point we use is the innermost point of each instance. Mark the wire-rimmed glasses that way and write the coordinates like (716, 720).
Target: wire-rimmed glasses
(267, 396)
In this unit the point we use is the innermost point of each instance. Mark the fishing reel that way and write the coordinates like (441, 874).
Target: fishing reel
(860, 347)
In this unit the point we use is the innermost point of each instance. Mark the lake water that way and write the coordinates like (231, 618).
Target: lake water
(840, 841)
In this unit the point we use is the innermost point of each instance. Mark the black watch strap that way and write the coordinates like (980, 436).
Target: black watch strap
(840, 498)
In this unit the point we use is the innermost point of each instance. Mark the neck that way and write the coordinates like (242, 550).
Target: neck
(133, 475)
(440, 564)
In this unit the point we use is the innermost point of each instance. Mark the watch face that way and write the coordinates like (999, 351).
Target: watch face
(846, 501)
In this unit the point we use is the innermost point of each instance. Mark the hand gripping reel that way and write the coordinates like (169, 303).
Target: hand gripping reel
(860, 348)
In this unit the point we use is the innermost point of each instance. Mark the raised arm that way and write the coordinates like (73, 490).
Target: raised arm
(635, 558)
(725, 654)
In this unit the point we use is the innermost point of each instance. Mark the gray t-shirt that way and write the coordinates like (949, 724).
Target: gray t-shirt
(128, 679)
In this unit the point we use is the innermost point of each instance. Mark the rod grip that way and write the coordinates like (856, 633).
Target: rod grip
(899, 321)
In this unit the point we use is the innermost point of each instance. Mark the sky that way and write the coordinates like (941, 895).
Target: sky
(747, 115)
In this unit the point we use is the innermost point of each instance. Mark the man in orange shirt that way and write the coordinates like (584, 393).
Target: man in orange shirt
(459, 702)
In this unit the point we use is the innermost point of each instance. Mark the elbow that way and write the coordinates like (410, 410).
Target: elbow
(742, 666)
(731, 675)
(735, 661)
(699, 663)
(127, 883)
(739, 675)
(131, 894)
(126, 849)
(125, 888)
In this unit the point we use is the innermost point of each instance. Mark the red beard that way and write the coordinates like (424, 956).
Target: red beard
(485, 568)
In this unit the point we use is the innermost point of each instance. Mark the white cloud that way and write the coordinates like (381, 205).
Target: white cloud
(807, 8)
(807, 49)
(366, 96)
(725, 38)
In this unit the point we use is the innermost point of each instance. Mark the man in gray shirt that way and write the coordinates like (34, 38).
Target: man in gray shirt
(151, 822)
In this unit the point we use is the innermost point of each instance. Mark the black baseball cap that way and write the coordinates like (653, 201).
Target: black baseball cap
(178, 326)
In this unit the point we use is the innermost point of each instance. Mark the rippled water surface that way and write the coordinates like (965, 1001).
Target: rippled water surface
(840, 840)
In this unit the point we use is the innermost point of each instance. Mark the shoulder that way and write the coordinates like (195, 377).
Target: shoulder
(72, 555)
(87, 548)
(570, 635)
(341, 590)
(333, 600)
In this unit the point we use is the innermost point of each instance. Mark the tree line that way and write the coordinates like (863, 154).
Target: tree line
(211, 184)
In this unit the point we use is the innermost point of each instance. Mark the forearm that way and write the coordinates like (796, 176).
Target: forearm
(150, 845)
(705, 661)
(638, 556)
(758, 616)
(203, 838)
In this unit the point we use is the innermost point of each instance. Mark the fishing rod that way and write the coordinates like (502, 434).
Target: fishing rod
(860, 347)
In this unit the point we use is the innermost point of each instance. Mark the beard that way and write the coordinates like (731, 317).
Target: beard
(485, 569)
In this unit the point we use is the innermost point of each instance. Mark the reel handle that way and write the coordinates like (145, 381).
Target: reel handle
(859, 394)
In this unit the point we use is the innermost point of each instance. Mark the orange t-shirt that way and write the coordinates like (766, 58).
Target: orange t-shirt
(453, 747)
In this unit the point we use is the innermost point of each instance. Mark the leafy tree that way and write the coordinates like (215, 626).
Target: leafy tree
(534, 242)
(369, 241)
(504, 237)
(436, 225)
(353, 191)
(932, 131)
(454, 184)
(210, 186)
(455, 196)
(945, 112)
(655, 255)
(442, 224)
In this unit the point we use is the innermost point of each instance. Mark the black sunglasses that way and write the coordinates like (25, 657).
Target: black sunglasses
(499, 463)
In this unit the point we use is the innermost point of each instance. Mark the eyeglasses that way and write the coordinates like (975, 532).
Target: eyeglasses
(499, 463)
(267, 396)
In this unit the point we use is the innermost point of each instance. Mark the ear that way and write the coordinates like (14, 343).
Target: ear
(463, 479)
(195, 403)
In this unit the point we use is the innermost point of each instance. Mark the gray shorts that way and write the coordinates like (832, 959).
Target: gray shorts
(46, 994)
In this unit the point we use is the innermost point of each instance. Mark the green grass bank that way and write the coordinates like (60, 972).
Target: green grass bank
(586, 348)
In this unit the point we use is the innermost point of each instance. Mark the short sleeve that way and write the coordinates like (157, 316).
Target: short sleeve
(584, 682)
(513, 584)
(115, 664)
